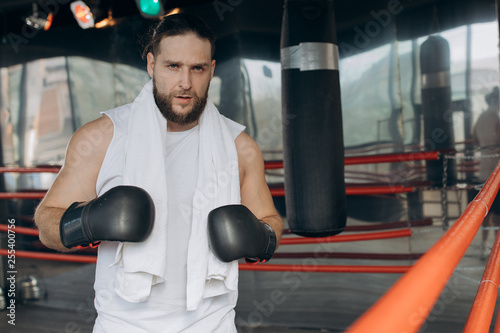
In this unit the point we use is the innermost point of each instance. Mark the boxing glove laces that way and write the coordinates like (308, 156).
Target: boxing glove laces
(124, 213)
(235, 232)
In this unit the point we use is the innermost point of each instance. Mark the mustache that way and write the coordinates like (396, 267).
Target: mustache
(183, 93)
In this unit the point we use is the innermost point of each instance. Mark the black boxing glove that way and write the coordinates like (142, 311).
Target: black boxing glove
(235, 232)
(124, 213)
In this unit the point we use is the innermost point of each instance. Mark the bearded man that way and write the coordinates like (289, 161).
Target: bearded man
(173, 192)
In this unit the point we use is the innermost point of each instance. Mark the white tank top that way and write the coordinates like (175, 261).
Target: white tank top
(165, 309)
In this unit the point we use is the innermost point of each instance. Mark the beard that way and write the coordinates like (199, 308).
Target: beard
(164, 103)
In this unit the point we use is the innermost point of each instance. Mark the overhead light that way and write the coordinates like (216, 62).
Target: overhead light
(107, 22)
(150, 8)
(82, 14)
(39, 22)
(173, 11)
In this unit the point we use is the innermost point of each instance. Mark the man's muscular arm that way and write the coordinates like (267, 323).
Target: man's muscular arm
(76, 182)
(255, 194)
(252, 229)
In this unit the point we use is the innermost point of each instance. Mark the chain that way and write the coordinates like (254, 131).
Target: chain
(444, 194)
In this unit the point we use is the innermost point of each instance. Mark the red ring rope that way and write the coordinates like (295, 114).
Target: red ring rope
(243, 267)
(22, 195)
(290, 240)
(276, 192)
(382, 226)
(347, 255)
(359, 190)
(387, 158)
(20, 230)
(325, 268)
(51, 256)
(53, 169)
(347, 238)
(384, 158)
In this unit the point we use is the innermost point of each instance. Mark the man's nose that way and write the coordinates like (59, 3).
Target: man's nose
(185, 80)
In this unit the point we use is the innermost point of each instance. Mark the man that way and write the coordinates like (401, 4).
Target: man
(486, 135)
(190, 160)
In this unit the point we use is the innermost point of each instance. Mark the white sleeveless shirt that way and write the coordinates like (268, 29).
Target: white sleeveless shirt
(165, 309)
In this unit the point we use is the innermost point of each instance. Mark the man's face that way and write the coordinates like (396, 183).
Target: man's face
(181, 74)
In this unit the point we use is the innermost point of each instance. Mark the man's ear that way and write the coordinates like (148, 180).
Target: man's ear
(212, 69)
(151, 63)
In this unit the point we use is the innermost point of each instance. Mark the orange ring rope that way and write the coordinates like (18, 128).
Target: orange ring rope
(407, 304)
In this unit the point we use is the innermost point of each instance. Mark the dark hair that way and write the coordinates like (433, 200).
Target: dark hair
(175, 25)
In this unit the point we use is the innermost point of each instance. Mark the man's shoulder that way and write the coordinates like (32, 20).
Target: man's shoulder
(88, 144)
(244, 140)
(100, 127)
(249, 153)
(93, 137)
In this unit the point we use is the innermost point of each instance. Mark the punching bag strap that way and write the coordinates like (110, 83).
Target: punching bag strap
(310, 57)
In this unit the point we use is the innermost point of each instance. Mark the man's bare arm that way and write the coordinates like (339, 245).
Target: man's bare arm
(76, 182)
(255, 194)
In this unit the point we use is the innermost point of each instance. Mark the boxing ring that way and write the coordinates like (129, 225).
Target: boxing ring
(420, 285)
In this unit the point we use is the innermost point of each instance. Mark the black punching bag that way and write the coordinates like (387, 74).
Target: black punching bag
(437, 107)
(312, 120)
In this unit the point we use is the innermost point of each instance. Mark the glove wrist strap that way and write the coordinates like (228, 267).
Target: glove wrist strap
(271, 245)
(71, 229)
(269, 251)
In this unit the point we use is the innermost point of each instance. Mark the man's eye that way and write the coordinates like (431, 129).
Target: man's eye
(173, 66)
(198, 68)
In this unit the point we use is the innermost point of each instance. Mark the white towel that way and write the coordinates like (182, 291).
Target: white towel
(142, 265)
